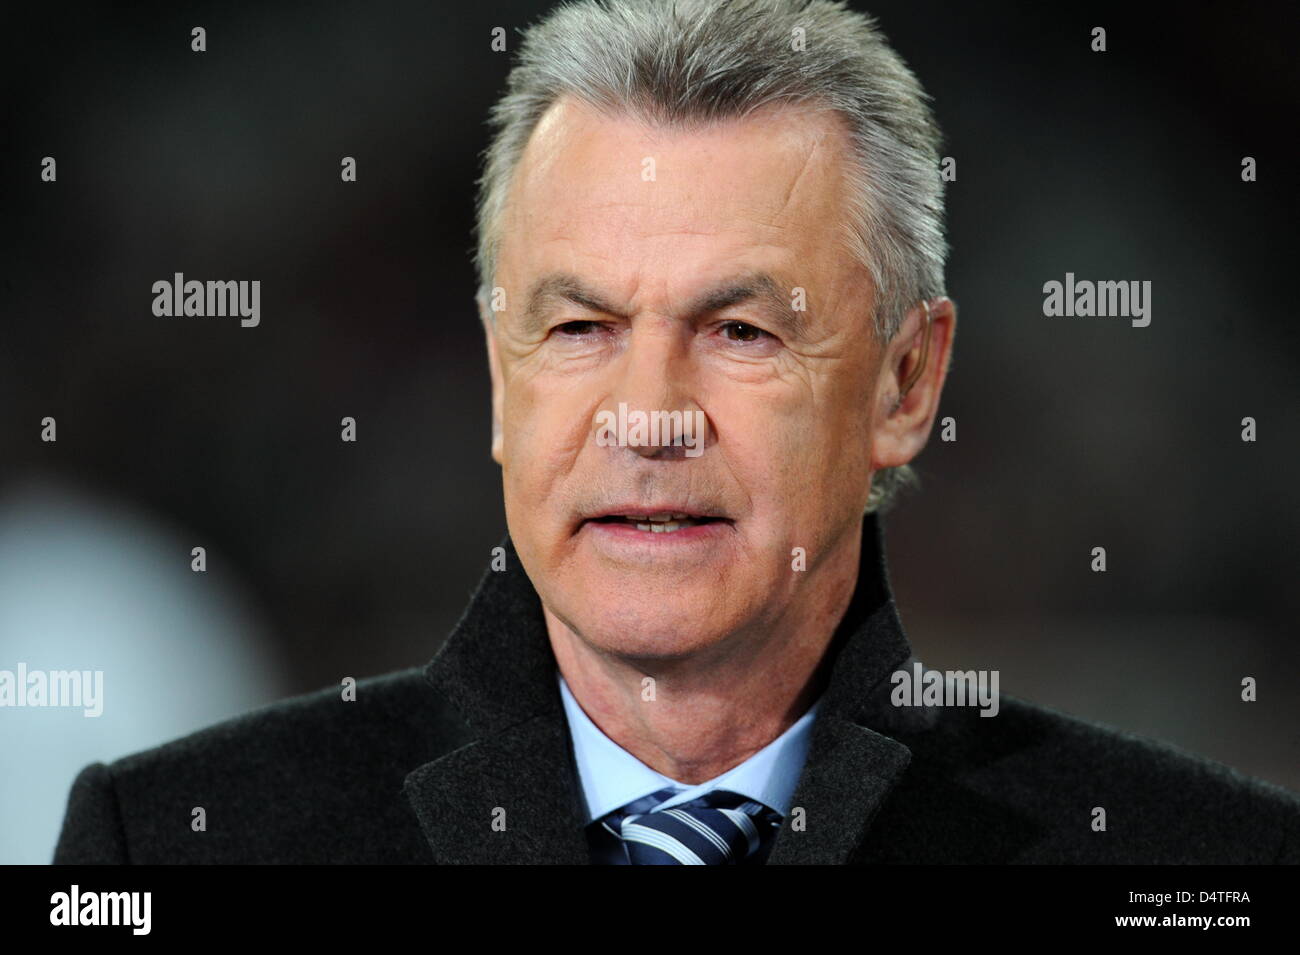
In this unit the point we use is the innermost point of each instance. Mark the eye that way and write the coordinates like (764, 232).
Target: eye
(742, 332)
(578, 329)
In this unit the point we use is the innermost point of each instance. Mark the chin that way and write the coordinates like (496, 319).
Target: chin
(649, 629)
(653, 646)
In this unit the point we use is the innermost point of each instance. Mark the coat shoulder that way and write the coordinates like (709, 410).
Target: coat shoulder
(1033, 784)
(313, 778)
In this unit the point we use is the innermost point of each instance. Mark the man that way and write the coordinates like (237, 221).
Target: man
(711, 261)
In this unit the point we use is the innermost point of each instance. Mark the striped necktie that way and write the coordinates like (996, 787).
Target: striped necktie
(719, 828)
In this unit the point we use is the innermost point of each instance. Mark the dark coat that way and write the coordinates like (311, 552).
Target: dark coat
(415, 769)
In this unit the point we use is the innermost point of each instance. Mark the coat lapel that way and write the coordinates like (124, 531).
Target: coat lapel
(510, 793)
(849, 772)
(853, 762)
(509, 790)
(510, 798)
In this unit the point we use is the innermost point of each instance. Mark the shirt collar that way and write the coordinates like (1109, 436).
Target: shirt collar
(611, 777)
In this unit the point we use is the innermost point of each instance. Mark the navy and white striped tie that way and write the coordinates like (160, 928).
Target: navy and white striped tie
(719, 828)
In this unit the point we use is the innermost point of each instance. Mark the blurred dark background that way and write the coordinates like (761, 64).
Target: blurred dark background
(329, 559)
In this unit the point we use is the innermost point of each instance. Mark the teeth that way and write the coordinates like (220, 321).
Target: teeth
(664, 523)
(664, 527)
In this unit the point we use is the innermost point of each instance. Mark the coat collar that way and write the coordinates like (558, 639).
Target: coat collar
(510, 792)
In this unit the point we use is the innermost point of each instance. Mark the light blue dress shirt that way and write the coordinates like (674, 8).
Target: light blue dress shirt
(612, 777)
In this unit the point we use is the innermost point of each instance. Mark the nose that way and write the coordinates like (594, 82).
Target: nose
(650, 408)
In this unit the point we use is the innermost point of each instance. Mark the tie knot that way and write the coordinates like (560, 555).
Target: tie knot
(718, 828)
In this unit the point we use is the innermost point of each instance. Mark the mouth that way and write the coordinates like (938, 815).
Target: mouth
(657, 522)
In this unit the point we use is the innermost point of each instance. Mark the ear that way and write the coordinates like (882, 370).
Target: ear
(494, 371)
(902, 422)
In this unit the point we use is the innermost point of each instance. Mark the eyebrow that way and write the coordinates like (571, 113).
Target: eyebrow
(758, 287)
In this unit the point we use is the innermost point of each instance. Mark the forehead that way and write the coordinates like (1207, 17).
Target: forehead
(638, 206)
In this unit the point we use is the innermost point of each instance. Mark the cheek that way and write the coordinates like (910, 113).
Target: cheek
(804, 431)
(846, 413)
(543, 431)
(822, 459)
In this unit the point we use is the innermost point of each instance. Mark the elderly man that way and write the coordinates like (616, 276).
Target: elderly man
(711, 261)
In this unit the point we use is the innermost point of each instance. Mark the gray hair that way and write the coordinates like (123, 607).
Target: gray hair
(684, 62)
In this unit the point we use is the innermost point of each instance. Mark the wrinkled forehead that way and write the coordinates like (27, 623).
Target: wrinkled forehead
(637, 201)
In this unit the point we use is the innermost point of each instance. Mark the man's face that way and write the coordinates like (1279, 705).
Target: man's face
(664, 270)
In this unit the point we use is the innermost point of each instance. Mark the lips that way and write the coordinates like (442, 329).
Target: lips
(657, 521)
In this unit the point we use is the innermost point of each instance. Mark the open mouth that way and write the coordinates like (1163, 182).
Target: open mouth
(658, 523)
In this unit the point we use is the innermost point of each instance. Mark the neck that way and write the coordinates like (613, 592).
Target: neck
(724, 707)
